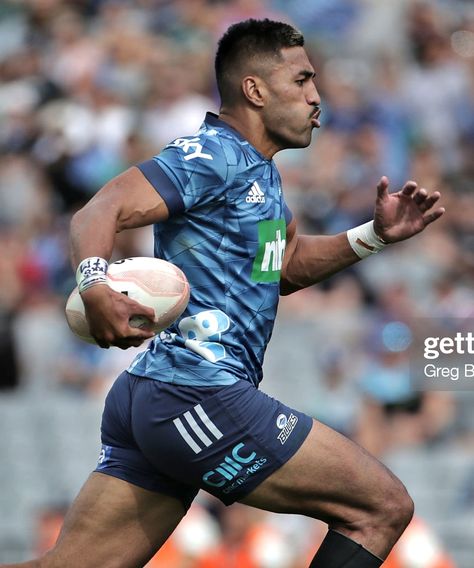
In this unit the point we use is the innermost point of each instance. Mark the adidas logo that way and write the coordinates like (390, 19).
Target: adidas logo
(255, 195)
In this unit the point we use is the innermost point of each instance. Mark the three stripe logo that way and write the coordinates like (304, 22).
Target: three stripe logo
(255, 195)
(198, 426)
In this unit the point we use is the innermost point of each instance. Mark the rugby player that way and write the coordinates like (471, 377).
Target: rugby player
(188, 414)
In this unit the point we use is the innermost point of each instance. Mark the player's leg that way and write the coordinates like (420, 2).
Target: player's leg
(242, 445)
(112, 524)
(333, 479)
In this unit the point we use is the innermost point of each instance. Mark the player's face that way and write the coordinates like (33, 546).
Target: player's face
(291, 110)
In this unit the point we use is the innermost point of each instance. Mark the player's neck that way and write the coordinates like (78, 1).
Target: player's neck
(251, 128)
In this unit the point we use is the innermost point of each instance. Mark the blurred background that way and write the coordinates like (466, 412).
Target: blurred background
(91, 87)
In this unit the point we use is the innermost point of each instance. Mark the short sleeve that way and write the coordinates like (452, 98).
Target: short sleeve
(189, 172)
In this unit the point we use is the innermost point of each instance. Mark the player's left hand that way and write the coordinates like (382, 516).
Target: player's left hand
(401, 215)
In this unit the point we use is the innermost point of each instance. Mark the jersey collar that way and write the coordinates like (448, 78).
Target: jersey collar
(213, 119)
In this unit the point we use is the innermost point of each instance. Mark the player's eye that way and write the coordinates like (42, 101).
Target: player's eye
(300, 82)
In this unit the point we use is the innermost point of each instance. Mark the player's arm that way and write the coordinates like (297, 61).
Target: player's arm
(126, 202)
(397, 216)
(309, 259)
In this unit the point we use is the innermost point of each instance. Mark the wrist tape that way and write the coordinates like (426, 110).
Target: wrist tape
(91, 271)
(364, 240)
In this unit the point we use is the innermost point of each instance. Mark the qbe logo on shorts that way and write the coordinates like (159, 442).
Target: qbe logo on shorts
(286, 425)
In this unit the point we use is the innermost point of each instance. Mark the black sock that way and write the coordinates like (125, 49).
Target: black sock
(339, 551)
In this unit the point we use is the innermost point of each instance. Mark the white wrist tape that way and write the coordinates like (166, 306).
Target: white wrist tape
(364, 240)
(91, 271)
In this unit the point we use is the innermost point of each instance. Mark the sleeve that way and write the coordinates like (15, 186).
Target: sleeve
(288, 214)
(188, 173)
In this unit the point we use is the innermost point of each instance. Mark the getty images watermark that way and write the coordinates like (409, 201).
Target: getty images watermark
(442, 354)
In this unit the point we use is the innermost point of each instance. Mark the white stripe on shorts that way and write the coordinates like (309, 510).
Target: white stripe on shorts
(197, 429)
(213, 429)
(187, 438)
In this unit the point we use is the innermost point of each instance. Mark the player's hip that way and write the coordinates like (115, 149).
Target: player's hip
(223, 439)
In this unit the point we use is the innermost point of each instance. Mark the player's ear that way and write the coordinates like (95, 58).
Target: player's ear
(253, 89)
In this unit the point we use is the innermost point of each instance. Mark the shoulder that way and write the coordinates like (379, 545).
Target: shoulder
(209, 151)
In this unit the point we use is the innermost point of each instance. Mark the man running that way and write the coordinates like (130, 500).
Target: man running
(187, 414)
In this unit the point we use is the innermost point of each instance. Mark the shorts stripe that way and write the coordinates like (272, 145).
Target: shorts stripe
(197, 429)
(208, 422)
(185, 435)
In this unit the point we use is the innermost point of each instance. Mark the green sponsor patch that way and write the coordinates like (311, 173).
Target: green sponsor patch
(271, 248)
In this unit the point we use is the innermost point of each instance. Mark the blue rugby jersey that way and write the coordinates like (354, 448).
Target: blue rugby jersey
(227, 232)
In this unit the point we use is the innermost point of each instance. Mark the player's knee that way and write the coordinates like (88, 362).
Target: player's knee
(388, 513)
(397, 508)
(406, 508)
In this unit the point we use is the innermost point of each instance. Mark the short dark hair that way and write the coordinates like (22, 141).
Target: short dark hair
(250, 39)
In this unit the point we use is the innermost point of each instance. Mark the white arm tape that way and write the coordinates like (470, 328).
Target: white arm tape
(364, 240)
(91, 271)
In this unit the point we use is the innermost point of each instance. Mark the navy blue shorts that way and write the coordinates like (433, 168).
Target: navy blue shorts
(177, 439)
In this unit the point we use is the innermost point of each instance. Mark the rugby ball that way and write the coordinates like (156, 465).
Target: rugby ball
(152, 282)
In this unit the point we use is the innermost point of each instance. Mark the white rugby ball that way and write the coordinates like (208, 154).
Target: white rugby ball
(153, 282)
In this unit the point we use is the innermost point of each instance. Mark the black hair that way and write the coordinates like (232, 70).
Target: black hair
(248, 40)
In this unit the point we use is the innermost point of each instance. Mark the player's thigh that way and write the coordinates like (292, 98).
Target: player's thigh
(114, 524)
(330, 478)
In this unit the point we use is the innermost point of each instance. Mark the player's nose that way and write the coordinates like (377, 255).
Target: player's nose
(312, 96)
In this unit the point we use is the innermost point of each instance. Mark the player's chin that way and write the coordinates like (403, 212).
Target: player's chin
(294, 139)
(301, 139)
(307, 136)
(304, 140)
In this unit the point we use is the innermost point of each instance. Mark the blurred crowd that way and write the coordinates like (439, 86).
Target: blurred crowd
(89, 88)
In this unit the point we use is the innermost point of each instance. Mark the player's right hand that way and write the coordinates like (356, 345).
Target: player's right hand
(108, 314)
